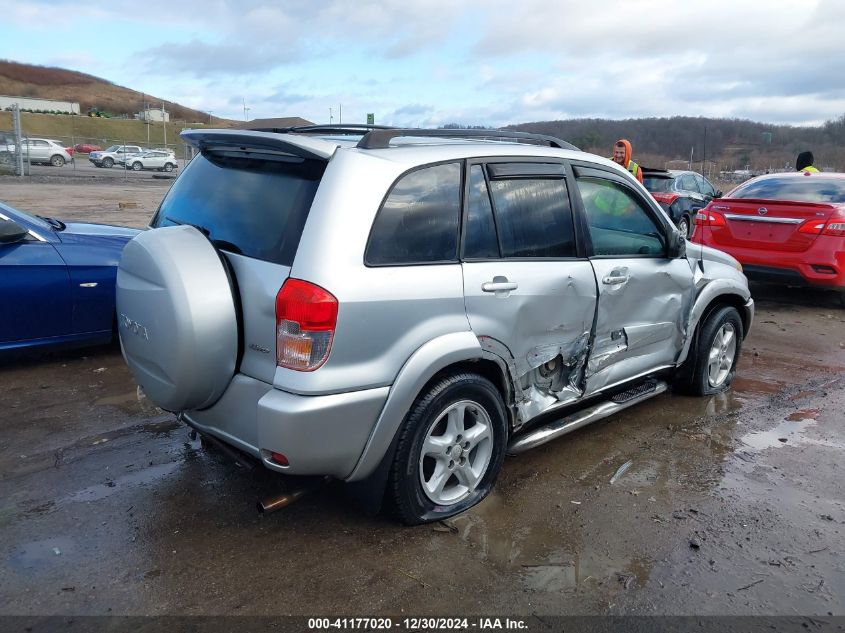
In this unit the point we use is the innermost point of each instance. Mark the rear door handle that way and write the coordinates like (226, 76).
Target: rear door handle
(498, 286)
(615, 280)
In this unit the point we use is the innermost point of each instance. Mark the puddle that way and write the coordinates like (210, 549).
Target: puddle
(137, 478)
(570, 575)
(134, 401)
(752, 385)
(51, 551)
(787, 432)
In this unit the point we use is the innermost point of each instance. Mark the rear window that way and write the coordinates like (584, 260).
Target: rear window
(655, 183)
(800, 189)
(247, 204)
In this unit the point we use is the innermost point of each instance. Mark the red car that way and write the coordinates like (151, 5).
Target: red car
(783, 228)
(86, 148)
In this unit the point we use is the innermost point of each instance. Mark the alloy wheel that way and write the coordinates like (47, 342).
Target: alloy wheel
(456, 452)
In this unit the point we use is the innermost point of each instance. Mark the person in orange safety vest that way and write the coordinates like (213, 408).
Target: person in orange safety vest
(622, 155)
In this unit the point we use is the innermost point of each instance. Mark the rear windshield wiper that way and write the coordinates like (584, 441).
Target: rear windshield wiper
(224, 244)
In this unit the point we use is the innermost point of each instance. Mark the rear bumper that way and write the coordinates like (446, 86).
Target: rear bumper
(821, 265)
(320, 435)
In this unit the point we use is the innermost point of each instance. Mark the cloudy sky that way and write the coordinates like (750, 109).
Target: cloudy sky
(431, 62)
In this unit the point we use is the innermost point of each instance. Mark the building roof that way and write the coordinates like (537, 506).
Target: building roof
(290, 121)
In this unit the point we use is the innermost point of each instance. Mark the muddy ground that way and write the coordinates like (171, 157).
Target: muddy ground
(731, 505)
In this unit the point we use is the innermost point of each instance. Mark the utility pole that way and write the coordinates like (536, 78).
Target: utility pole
(691, 150)
(704, 156)
(164, 123)
(331, 118)
(340, 113)
(246, 110)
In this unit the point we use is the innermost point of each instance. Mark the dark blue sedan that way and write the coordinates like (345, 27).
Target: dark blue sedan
(57, 281)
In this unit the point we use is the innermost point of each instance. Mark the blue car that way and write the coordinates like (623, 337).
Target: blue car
(57, 281)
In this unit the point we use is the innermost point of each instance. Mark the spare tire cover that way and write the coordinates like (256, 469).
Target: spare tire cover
(176, 317)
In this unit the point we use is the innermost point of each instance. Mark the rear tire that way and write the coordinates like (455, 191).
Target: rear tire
(450, 450)
(711, 365)
(57, 161)
(168, 167)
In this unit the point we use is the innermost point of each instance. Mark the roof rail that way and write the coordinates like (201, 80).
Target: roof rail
(351, 129)
(380, 139)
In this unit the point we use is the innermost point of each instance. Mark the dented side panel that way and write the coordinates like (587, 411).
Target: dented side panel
(541, 328)
(643, 316)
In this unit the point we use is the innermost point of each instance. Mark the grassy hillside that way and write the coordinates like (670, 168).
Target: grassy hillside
(26, 80)
(82, 129)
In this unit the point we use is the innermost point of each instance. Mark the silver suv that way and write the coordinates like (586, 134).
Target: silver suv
(401, 308)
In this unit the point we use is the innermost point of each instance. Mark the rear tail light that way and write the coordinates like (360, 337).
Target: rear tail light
(834, 226)
(665, 197)
(709, 218)
(306, 317)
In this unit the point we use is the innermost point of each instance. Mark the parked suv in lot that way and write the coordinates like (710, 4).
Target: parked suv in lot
(111, 155)
(401, 308)
(150, 159)
(43, 150)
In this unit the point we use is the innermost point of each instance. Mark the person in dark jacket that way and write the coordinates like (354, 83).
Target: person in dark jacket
(804, 162)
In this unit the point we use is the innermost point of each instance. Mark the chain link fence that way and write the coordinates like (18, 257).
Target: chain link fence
(18, 152)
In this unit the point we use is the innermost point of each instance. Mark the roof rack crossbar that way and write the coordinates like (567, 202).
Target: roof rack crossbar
(380, 139)
(351, 129)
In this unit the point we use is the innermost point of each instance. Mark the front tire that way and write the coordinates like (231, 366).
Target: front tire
(136, 166)
(108, 162)
(712, 364)
(685, 226)
(450, 450)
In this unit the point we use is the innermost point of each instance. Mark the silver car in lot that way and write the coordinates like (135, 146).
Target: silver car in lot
(42, 150)
(398, 309)
(150, 159)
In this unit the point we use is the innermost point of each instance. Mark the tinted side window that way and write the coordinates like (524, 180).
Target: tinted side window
(533, 217)
(418, 222)
(704, 186)
(481, 241)
(619, 224)
(687, 183)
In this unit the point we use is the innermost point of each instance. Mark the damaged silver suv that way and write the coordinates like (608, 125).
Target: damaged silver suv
(401, 308)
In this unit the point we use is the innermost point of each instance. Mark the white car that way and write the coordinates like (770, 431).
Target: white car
(152, 159)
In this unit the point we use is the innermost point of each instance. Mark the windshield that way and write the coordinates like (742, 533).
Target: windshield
(807, 189)
(113, 148)
(8, 212)
(255, 205)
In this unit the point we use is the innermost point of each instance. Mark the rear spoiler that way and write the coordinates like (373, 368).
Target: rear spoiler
(295, 144)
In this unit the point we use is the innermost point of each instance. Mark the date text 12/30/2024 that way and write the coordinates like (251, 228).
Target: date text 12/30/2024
(417, 624)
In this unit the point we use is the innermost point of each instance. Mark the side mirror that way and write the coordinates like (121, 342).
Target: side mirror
(11, 232)
(677, 245)
(718, 193)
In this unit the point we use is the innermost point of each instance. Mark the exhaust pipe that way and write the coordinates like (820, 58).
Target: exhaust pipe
(271, 504)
